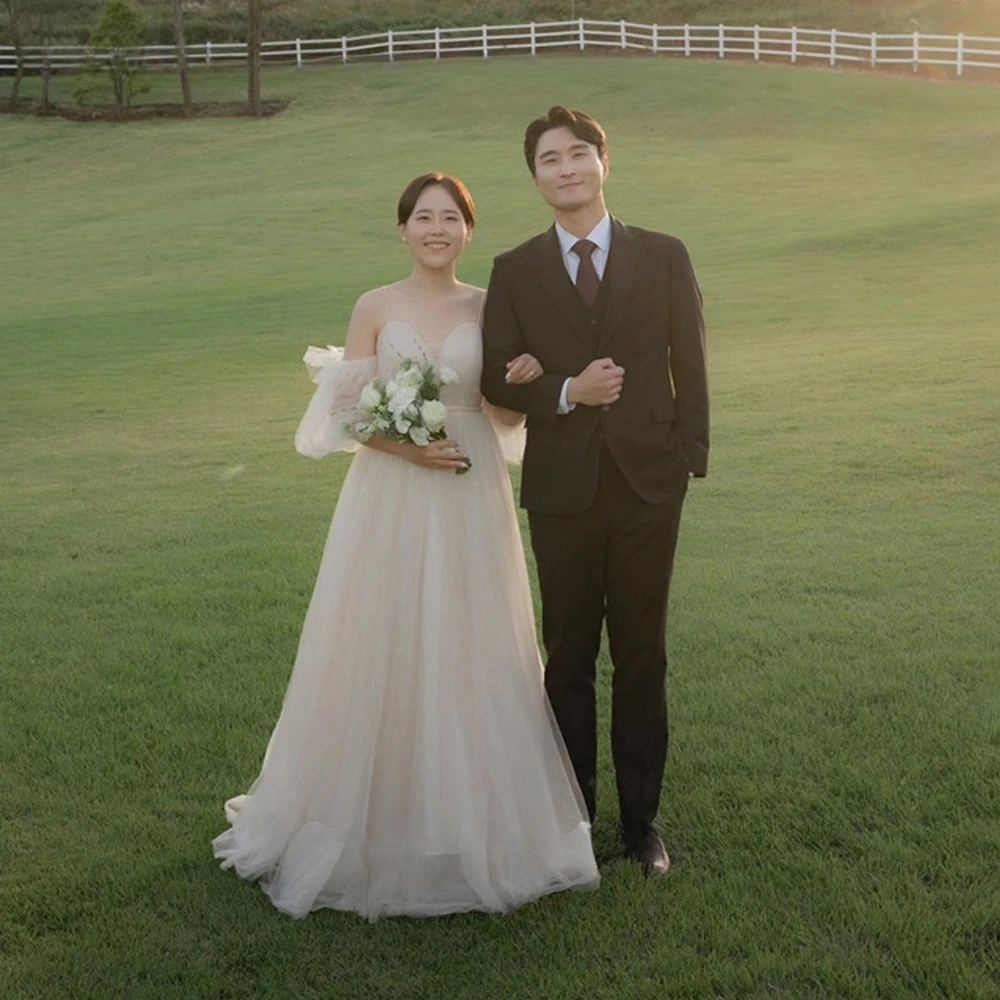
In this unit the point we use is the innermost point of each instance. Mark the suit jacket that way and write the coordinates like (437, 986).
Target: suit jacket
(648, 319)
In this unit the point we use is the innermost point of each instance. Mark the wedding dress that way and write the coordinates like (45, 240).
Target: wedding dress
(416, 768)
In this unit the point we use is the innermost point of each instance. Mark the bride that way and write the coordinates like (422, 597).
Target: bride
(415, 768)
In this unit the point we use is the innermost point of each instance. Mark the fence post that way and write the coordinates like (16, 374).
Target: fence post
(916, 50)
(298, 53)
(722, 41)
(486, 44)
(392, 55)
(687, 39)
(795, 43)
(874, 50)
(656, 38)
(621, 29)
(582, 41)
(756, 43)
(437, 43)
(534, 46)
(959, 54)
(208, 55)
(343, 48)
(833, 46)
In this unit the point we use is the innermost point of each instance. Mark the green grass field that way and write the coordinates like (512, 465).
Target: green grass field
(831, 802)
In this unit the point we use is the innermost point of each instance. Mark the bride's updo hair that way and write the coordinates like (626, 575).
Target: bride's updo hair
(459, 192)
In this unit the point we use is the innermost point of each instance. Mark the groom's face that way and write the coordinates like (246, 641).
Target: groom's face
(569, 173)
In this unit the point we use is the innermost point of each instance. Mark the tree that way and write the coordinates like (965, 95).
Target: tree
(182, 66)
(46, 75)
(45, 12)
(119, 31)
(253, 55)
(37, 17)
(14, 19)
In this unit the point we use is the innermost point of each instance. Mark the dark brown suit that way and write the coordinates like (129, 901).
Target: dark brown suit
(604, 486)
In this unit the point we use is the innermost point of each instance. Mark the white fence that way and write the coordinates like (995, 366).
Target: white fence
(830, 47)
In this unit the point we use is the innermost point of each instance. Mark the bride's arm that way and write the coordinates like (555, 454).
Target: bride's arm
(444, 455)
(340, 378)
(362, 331)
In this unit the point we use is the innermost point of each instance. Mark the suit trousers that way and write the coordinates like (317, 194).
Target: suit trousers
(613, 561)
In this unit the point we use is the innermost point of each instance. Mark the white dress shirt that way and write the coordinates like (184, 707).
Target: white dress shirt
(600, 236)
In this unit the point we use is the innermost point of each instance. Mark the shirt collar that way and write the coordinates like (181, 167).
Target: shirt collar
(600, 235)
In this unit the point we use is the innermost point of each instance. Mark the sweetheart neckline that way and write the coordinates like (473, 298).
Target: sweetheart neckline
(423, 339)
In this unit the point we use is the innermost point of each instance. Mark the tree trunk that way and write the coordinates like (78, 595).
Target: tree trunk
(182, 65)
(13, 18)
(46, 76)
(253, 55)
(117, 81)
(18, 75)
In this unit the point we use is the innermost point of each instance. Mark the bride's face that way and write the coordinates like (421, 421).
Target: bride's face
(436, 232)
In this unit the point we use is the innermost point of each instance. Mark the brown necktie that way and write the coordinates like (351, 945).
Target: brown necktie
(586, 275)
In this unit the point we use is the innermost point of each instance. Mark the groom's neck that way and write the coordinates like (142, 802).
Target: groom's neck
(581, 221)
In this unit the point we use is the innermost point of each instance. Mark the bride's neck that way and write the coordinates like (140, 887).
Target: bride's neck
(426, 281)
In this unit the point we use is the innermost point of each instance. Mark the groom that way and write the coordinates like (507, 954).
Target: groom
(617, 422)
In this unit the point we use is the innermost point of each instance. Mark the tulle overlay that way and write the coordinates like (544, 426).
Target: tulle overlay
(334, 403)
(415, 767)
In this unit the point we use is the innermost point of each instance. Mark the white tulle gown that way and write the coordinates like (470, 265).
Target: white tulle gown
(415, 768)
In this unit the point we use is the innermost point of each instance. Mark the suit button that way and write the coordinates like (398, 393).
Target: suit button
(605, 407)
(593, 322)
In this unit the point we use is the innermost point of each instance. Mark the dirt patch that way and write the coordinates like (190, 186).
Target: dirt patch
(142, 112)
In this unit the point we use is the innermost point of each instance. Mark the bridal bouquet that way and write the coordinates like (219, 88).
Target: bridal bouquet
(406, 408)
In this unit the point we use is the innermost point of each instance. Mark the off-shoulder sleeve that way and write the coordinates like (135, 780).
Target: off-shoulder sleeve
(510, 435)
(334, 403)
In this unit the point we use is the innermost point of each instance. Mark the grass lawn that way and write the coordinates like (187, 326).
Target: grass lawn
(831, 802)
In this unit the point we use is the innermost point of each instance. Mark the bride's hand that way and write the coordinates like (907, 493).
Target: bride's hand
(444, 455)
(523, 369)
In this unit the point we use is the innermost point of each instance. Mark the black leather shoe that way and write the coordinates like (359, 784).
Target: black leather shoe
(646, 847)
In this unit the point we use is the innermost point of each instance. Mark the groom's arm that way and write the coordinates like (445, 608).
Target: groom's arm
(503, 340)
(688, 367)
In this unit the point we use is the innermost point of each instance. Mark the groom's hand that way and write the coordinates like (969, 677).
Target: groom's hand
(599, 384)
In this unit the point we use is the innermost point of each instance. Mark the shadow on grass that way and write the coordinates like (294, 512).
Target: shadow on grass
(142, 112)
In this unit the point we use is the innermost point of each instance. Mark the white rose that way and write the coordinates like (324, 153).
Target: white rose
(433, 413)
(448, 375)
(419, 435)
(403, 398)
(371, 399)
(411, 378)
(391, 388)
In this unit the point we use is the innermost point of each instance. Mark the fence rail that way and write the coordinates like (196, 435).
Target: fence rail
(832, 47)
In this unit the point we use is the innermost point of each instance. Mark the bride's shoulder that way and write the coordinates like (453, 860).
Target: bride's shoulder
(372, 303)
(474, 295)
(367, 319)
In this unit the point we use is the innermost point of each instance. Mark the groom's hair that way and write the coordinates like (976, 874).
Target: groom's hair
(580, 124)
(458, 191)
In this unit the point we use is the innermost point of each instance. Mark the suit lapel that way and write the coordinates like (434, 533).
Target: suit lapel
(551, 275)
(619, 274)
